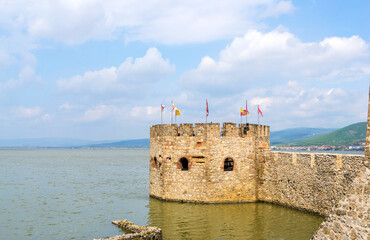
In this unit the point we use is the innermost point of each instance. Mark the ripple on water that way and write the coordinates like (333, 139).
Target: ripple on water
(75, 194)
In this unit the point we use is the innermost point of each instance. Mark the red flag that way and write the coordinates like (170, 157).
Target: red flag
(259, 110)
(207, 107)
(246, 107)
(242, 112)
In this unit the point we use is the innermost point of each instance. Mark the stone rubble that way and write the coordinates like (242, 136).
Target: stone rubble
(138, 232)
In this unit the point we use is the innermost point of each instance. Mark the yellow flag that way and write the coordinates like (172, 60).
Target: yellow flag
(178, 112)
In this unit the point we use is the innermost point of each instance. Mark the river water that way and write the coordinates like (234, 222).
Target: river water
(75, 194)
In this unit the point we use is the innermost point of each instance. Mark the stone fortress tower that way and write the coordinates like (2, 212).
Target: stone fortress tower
(204, 163)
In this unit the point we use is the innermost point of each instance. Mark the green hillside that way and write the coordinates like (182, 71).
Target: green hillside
(351, 135)
(296, 134)
(125, 143)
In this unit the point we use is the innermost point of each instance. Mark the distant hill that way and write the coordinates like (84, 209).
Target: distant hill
(353, 134)
(124, 143)
(296, 134)
(44, 142)
(350, 135)
(69, 143)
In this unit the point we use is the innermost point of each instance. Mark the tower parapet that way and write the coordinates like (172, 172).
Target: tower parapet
(228, 129)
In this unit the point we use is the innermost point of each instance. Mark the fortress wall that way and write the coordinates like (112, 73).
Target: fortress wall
(207, 129)
(205, 180)
(349, 219)
(238, 185)
(163, 130)
(155, 168)
(169, 181)
(230, 130)
(186, 129)
(211, 130)
(261, 132)
(314, 182)
(206, 151)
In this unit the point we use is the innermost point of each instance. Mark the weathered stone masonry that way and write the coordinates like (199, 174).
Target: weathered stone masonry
(314, 182)
(205, 151)
(197, 164)
(349, 218)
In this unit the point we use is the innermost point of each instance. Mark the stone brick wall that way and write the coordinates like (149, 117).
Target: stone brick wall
(206, 151)
(349, 219)
(333, 185)
(314, 182)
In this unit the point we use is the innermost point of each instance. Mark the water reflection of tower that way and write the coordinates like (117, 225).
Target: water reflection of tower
(229, 221)
(200, 221)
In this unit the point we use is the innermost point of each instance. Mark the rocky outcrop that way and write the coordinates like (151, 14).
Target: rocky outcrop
(138, 232)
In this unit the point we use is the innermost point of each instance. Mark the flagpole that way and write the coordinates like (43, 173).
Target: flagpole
(206, 110)
(258, 107)
(161, 115)
(171, 112)
(246, 112)
(241, 117)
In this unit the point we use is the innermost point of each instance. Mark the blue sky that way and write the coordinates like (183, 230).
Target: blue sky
(94, 69)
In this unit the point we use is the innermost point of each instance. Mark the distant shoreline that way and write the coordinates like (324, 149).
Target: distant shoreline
(145, 147)
(355, 152)
(71, 148)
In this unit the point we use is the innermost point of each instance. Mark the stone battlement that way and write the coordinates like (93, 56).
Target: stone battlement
(209, 130)
(311, 181)
(203, 162)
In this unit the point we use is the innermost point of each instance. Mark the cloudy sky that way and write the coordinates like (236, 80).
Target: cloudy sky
(99, 69)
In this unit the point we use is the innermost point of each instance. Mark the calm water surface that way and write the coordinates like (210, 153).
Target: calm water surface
(75, 194)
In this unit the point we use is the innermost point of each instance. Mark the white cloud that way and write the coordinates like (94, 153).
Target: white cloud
(163, 21)
(284, 105)
(148, 112)
(275, 56)
(131, 75)
(5, 58)
(99, 112)
(46, 117)
(293, 105)
(278, 8)
(67, 106)
(265, 101)
(26, 75)
(92, 81)
(23, 112)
